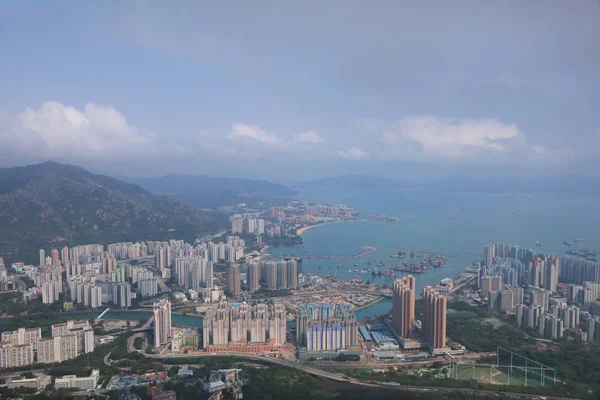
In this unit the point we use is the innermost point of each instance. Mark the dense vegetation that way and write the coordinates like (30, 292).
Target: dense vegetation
(577, 364)
(52, 205)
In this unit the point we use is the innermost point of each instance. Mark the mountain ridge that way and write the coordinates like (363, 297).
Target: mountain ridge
(52, 205)
(465, 183)
(211, 192)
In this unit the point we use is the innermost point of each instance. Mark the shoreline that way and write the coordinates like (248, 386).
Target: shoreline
(370, 304)
(300, 231)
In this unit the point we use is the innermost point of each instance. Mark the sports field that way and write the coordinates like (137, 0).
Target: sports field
(495, 376)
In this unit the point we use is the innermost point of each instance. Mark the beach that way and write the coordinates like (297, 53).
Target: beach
(300, 231)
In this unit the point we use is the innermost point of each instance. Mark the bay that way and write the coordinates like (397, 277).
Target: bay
(443, 223)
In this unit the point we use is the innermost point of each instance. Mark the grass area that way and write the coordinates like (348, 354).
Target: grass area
(495, 376)
(495, 322)
(485, 374)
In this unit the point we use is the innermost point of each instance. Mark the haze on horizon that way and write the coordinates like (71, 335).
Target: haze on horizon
(270, 90)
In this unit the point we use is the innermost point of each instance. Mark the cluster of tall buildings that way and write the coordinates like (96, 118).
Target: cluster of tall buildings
(326, 328)
(271, 275)
(323, 210)
(550, 321)
(433, 323)
(504, 250)
(243, 325)
(127, 250)
(94, 276)
(194, 272)
(68, 341)
(162, 322)
(253, 226)
(507, 266)
(578, 270)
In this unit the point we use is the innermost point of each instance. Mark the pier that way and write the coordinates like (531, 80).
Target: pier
(433, 253)
(365, 250)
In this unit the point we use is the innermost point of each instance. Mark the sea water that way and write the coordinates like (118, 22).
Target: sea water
(453, 224)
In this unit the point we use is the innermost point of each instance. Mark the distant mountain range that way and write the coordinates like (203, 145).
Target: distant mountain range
(52, 205)
(560, 184)
(212, 192)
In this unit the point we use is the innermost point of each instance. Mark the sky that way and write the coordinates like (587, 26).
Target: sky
(301, 90)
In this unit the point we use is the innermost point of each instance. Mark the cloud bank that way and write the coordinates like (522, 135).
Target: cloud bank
(100, 132)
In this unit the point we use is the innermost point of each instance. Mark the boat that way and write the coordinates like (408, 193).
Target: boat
(401, 254)
(368, 262)
(419, 255)
(356, 265)
(412, 254)
(537, 243)
(567, 243)
(579, 239)
(381, 263)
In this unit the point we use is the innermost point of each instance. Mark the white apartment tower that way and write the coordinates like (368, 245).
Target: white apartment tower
(162, 322)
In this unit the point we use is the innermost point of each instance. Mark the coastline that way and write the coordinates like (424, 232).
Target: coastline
(370, 304)
(300, 231)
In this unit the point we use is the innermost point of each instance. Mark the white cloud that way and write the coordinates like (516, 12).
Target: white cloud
(431, 138)
(310, 137)
(353, 153)
(451, 138)
(252, 132)
(56, 130)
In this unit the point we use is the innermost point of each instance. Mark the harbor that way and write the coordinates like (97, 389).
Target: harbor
(365, 250)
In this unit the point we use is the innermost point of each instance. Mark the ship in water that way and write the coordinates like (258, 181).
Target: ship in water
(579, 239)
(412, 254)
(567, 243)
(571, 251)
(537, 243)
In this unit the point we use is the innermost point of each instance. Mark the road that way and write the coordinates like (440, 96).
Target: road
(341, 378)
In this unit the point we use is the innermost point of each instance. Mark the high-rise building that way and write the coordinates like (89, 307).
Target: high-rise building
(292, 274)
(16, 355)
(58, 349)
(42, 258)
(64, 255)
(233, 283)
(403, 305)
(122, 294)
(282, 275)
(326, 328)
(434, 317)
(260, 226)
(148, 287)
(551, 273)
(489, 252)
(237, 225)
(253, 277)
(242, 324)
(575, 269)
(271, 275)
(490, 284)
(22, 336)
(162, 322)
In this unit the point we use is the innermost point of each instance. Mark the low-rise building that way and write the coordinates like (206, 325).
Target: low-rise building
(72, 381)
(37, 383)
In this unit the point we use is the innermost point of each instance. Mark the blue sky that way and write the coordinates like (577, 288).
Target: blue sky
(302, 90)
